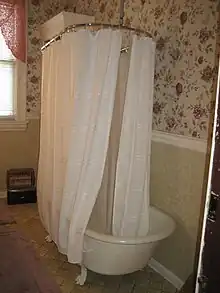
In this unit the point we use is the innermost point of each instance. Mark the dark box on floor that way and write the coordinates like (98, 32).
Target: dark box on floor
(21, 186)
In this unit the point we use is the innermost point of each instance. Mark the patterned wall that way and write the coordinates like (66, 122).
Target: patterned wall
(39, 11)
(185, 32)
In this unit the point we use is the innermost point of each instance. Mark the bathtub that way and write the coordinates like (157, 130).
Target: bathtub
(110, 255)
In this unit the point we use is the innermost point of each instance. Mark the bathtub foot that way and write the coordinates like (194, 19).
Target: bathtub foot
(48, 239)
(81, 279)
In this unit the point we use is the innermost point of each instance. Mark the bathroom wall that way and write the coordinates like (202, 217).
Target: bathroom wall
(176, 187)
(185, 32)
(20, 148)
(39, 12)
(186, 35)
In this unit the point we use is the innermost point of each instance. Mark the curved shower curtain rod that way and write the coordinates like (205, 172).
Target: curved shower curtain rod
(120, 26)
(72, 28)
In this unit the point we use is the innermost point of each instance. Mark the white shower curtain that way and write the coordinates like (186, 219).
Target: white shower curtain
(78, 90)
(132, 186)
(101, 217)
(78, 157)
(122, 207)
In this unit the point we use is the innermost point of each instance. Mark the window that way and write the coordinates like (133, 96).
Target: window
(7, 79)
(12, 90)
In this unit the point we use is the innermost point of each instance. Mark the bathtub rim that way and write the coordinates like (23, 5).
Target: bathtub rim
(151, 237)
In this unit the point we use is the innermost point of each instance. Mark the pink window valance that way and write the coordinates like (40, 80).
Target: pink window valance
(13, 26)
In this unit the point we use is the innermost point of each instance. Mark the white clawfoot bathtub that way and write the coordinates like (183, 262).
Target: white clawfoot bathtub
(110, 255)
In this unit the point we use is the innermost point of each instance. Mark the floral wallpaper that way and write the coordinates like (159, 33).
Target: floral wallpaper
(186, 70)
(39, 11)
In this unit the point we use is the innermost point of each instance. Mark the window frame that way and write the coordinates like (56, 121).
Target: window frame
(19, 121)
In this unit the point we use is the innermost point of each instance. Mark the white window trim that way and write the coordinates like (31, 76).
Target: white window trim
(19, 121)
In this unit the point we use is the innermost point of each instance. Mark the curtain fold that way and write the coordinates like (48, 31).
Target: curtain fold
(78, 93)
(131, 198)
(95, 138)
(101, 218)
(13, 26)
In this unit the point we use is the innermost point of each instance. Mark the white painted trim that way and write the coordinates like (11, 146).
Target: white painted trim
(18, 121)
(13, 125)
(167, 274)
(21, 91)
(182, 141)
(3, 194)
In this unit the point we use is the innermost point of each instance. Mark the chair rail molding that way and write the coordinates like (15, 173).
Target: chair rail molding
(182, 141)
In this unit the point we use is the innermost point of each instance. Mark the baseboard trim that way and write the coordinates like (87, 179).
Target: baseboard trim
(182, 141)
(3, 194)
(166, 273)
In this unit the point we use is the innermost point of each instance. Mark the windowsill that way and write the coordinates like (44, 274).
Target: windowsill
(13, 125)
